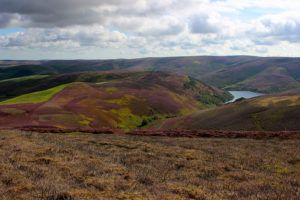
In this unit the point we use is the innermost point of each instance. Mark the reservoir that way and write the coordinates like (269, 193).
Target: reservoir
(243, 94)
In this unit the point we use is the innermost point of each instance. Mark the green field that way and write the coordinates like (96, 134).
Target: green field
(35, 97)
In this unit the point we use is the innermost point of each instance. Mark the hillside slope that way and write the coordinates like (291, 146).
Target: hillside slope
(262, 74)
(270, 113)
(270, 80)
(124, 101)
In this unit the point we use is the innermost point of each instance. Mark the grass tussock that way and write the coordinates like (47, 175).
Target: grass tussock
(87, 166)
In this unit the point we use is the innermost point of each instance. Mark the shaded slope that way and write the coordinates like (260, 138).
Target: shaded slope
(10, 88)
(270, 80)
(125, 101)
(24, 70)
(281, 112)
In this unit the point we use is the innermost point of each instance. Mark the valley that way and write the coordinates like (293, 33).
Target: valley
(155, 128)
(132, 94)
(149, 100)
(257, 74)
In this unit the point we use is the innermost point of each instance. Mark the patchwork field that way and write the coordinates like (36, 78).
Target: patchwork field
(86, 166)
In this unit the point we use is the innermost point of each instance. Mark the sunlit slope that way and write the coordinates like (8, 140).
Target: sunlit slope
(35, 97)
(281, 112)
(10, 88)
(117, 101)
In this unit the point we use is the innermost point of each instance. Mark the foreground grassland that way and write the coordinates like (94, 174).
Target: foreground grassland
(86, 166)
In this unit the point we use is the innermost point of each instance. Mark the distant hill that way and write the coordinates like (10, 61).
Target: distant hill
(261, 74)
(10, 63)
(268, 113)
(97, 100)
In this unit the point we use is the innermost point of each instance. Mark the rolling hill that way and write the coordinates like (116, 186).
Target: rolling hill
(267, 113)
(261, 74)
(97, 100)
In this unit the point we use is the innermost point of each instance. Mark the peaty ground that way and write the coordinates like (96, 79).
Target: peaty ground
(86, 166)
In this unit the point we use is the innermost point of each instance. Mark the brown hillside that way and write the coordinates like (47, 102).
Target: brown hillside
(269, 113)
(126, 103)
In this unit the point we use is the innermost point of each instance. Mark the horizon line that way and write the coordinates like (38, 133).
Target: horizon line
(147, 57)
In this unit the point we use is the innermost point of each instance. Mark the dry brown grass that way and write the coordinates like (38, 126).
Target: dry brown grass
(86, 166)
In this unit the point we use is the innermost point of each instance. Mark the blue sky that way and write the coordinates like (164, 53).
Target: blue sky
(249, 14)
(92, 29)
(6, 31)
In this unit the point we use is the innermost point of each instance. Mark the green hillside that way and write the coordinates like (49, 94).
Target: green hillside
(36, 97)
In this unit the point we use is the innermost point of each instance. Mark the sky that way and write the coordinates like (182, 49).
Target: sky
(105, 29)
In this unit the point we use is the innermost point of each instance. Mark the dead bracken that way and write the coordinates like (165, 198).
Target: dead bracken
(78, 165)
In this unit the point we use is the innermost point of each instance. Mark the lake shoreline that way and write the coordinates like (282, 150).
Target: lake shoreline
(243, 94)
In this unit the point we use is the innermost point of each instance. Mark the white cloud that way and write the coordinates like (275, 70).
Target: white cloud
(282, 27)
(71, 37)
(150, 27)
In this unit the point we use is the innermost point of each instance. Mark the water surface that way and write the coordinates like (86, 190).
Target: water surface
(243, 94)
